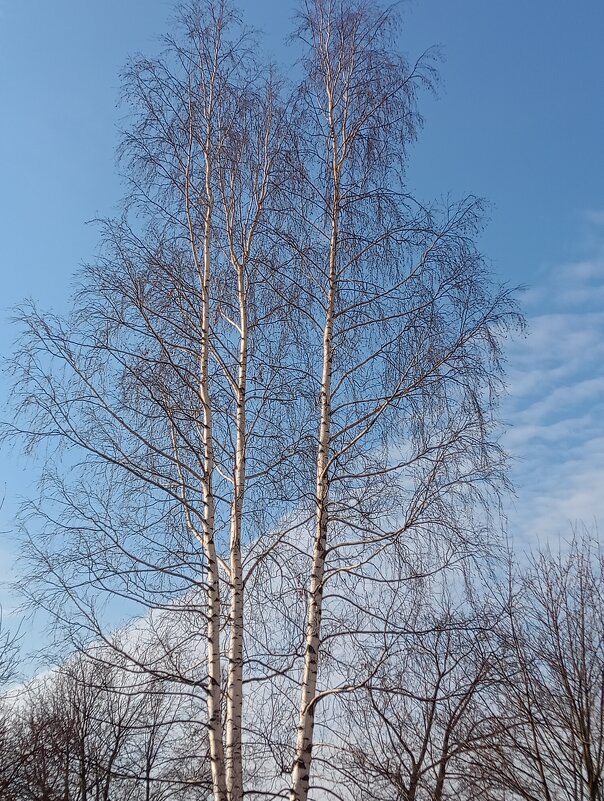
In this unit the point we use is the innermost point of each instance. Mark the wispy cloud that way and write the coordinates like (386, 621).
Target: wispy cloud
(556, 404)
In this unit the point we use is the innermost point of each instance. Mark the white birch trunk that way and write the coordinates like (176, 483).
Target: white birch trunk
(213, 697)
(234, 757)
(305, 732)
(213, 630)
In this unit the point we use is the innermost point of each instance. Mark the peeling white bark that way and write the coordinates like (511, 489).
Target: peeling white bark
(234, 756)
(215, 728)
(305, 732)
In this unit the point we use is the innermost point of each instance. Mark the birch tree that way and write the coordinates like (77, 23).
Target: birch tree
(272, 409)
(156, 361)
(405, 347)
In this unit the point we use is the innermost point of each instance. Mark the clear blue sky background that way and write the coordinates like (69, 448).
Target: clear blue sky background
(519, 120)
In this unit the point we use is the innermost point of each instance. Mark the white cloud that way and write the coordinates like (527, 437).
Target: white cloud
(556, 403)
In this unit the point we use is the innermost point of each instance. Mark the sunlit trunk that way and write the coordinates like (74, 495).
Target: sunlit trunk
(234, 767)
(306, 721)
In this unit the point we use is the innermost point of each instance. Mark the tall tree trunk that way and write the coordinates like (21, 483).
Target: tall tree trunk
(234, 756)
(305, 732)
(204, 271)
(213, 630)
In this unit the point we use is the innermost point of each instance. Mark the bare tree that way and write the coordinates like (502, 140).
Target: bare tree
(403, 338)
(166, 319)
(271, 411)
(93, 730)
(10, 758)
(413, 729)
(550, 742)
(9, 652)
(11, 755)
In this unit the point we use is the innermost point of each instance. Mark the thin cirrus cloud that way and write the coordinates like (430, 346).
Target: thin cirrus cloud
(556, 402)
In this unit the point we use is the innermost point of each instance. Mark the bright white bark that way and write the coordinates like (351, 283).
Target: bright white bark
(305, 732)
(234, 712)
(204, 270)
(215, 728)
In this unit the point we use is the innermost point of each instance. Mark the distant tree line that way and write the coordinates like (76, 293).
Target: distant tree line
(89, 731)
(495, 698)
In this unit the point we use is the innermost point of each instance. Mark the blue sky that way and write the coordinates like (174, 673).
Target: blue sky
(519, 119)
